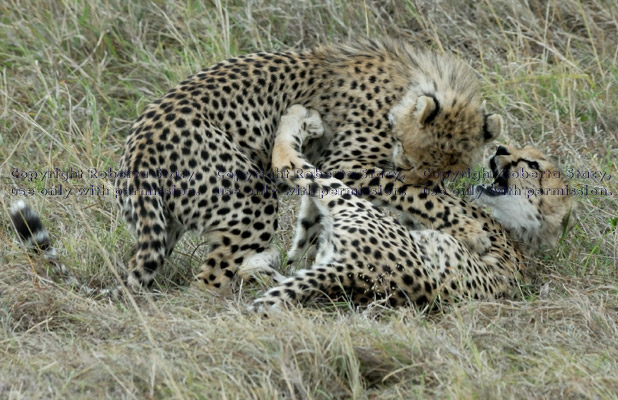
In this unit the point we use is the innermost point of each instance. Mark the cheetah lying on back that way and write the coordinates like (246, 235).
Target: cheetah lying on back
(364, 254)
(195, 159)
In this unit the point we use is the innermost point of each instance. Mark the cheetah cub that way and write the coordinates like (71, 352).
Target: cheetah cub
(364, 255)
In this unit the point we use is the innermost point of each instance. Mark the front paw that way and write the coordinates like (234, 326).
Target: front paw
(312, 124)
(296, 112)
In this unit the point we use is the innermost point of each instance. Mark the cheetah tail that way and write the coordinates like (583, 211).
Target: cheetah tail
(32, 233)
(29, 227)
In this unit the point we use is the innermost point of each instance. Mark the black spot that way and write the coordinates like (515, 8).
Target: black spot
(150, 266)
(501, 150)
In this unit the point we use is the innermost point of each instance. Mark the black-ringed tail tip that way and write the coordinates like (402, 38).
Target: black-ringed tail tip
(29, 228)
(34, 236)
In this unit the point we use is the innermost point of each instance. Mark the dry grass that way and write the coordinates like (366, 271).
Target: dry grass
(74, 74)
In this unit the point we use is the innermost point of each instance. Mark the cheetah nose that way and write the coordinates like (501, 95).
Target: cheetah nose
(502, 151)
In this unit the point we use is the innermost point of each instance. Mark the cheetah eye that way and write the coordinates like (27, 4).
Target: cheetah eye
(533, 165)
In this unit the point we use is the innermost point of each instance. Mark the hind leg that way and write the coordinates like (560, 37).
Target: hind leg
(251, 223)
(321, 279)
(219, 268)
(242, 241)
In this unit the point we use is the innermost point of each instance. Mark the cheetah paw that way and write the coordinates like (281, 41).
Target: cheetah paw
(296, 111)
(266, 308)
(312, 125)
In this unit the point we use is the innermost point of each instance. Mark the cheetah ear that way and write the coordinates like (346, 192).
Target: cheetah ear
(492, 128)
(426, 110)
(399, 156)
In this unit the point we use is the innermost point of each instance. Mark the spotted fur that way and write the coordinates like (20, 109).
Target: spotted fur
(188, 155)
(364, 255)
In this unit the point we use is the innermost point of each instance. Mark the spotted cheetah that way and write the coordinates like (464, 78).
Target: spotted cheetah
(364, 255)
(200, 157)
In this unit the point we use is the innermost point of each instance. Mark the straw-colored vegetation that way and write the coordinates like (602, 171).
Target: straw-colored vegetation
(75, 74)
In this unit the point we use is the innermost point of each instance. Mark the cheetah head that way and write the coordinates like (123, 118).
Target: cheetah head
(440, 133)
(528, 196)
